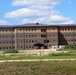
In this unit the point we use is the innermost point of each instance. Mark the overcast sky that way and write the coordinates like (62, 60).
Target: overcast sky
(37, 11)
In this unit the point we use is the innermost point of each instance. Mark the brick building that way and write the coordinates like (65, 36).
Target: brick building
(30, 36)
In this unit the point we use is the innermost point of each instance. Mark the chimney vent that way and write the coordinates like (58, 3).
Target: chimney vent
(37, 23)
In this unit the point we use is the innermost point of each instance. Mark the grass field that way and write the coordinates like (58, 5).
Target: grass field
(55, 67)
(15, 56)
(39, 68)
(23, 57)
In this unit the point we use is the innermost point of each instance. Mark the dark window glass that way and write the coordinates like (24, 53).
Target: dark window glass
(26, 46)
(26, 41)
(35, 29)
(43, 30)
(32, 41)
(35, 40)
(3, 47)
(20, 29)
(29, 29)
(44, 35)
(32, 29)
(26, 35)
(41, 35)
(35, 35)
(53, 28)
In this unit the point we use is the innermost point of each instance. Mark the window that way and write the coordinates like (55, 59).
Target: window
(74, 34)
(3, 47)
(6, 36)
(3, 41)
(71, 40)
(74, 39)
(46, 41)
(29, 29)
(35, 29)
(68, 34)
(29, 41)
(53, 40)
(35, 40)
(68, 29)
(26, 46)
(21, 46)
(44, 35)
(0, 47)
(62, 29)
(9, 36)
(65, 29)
(43, 30)
(29, 46)
(3, 36)
(32, 46)
(20, 29)
(65, 35)
(20, 41)
(13, 47)
(6, 41)
(26, 35)
(13, 30)
(53, 34)
(9, 41)
(68, 40)
(32, 41)
(41, 35)
(10, 47)
(2, 30)
(71, 29)
(32, 29)
(26, 41)
(20, 35)
(53, 28)
(13, 36)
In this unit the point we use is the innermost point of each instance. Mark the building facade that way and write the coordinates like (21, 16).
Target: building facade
(31, 36)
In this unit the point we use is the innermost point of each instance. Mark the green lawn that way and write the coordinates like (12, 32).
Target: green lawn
(39, 68)
(16, 56)
(49, 56)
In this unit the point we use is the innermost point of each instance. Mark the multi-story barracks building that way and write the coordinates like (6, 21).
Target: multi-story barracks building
(31, 36)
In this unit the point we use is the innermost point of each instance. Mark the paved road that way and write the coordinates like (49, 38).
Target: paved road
(36, 60)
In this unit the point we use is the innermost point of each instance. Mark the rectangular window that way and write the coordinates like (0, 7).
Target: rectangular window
(44, 35)
(46, 41)
(43, 30)
(35, 29)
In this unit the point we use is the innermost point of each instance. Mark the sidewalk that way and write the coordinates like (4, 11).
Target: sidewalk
(37, 60)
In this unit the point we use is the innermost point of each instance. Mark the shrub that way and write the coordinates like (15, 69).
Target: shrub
(11, 51)
(70, 47)
(61, 54)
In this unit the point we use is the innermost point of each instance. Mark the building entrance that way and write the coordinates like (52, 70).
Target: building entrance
(40, 46)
